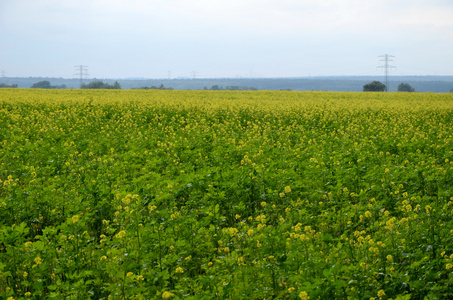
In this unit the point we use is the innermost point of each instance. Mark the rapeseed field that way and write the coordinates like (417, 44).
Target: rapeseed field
(115, 194)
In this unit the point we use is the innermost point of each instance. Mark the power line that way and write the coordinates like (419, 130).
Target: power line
(82, 71)
(386, 59)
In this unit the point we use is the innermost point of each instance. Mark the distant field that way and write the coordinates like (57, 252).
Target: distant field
(133, 194)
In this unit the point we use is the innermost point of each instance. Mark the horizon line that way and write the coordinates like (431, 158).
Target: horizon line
(226, 77)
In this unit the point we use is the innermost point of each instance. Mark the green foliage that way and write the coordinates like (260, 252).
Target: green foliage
(160, 87)
(100, 85)
(375, 86)
(4, 85)
(46, 85)
(405, 87)
(232, 88)
(225, 195)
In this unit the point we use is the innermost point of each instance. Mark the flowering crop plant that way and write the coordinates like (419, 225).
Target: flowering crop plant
(115, 194)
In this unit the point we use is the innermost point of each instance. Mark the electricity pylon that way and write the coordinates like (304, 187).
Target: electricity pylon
(82, 71)
(386, 59)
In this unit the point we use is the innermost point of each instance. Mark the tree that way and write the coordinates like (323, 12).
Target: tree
(116, 86)
(100, 85)
(375, 86)
(46, 85)
(42, 85)
(405, 87)
(4, 85)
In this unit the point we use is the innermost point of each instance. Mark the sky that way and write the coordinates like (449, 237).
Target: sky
(217, 38)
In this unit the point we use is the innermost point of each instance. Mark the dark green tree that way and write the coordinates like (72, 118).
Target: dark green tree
(4, 85)
(405, 87)
(116, 86)
(42, 85)
(375, 86)
(46, 85)
(98, 84)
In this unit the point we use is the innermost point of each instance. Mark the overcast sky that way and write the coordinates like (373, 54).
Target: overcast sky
(217, 38)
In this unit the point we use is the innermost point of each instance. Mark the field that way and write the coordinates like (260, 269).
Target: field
(225, 195)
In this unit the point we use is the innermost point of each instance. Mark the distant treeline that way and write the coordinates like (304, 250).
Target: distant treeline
(160, 87)
(101, 85)
(435, 84)
(45, 84)
(231, 88)
(3, 85)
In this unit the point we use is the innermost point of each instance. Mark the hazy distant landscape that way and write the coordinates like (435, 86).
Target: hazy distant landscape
(435, 84)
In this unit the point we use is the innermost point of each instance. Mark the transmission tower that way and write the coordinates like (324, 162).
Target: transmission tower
(82, 72)
(386, 58)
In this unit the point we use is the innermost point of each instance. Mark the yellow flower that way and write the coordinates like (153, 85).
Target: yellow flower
(28, 244)
(121, 234)
(126, 200)
(368, 214)
(140, 277)
(381, 293)
(291, 290)
(448, 266)
(75, 219)
(282, 195)
(287, 189)
(27, 294)
(129, 274)
(167, 295)
(389, 258)
(179, 270)
(263, 204)
(38, 260)
(303, 295)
